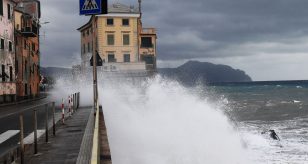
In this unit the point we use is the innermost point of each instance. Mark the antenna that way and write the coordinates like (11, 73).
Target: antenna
(139, 2)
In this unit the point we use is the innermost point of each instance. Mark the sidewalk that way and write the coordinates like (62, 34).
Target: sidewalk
(63, 148)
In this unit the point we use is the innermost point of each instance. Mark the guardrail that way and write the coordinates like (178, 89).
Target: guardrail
(95, 156)
(49, 108)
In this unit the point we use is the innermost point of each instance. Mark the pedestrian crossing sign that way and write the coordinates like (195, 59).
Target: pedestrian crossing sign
(92, 7)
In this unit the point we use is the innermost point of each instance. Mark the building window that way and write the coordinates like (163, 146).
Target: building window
(10, 46)
(83, 34)
(110, 39)
(146, 42)
(126, 58)
(9, 15)
(33, 70)
(1, 44)
(109, 22)
(11, 73)
(25, 44)
(89, 47)
(16, 66)
(125, 22)
(149, 59)
(1, 7)
(33, 47)
(126, 39)
(3, 73)
(111, 58)
(88, 32)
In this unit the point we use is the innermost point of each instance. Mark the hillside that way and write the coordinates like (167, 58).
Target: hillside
(194, 71)
(55, 72)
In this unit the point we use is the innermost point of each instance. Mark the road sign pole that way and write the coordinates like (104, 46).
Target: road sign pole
(95, 81)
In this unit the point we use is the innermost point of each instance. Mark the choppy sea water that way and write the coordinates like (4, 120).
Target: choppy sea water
(161, 121)
(259, 107)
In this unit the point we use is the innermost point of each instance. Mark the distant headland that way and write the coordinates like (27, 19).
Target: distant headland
(194, 71)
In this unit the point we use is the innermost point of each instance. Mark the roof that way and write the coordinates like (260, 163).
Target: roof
(86, 25)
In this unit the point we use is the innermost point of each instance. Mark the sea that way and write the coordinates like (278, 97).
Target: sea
(160, 121)
(257, 107)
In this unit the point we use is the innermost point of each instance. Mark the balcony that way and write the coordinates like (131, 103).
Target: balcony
(29, 31)
(149, 31)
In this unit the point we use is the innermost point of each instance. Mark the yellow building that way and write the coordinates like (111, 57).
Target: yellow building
(119, 39)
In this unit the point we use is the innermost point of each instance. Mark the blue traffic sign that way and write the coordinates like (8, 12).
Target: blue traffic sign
(92, 7)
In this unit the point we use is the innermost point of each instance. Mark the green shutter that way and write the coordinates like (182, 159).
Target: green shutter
(1, 7)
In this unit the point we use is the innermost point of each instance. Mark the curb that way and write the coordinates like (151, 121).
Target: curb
(21, 102)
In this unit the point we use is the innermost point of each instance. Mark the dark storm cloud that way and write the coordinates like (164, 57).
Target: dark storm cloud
(197, 29)
(226, 22)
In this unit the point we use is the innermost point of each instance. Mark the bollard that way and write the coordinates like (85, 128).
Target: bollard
(35, 130)
(53, 119)
(69, 106)
(21, 121)
(74, 102)
(46, 123)
(78, 99)
(62, 106)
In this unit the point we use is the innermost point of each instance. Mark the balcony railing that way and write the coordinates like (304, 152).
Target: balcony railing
(29, 31)
(146, 46)
(148, 31)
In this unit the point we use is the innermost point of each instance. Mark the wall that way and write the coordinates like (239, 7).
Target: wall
(118, 30)
(7, 58)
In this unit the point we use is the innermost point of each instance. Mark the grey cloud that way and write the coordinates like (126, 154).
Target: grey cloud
(199, 29)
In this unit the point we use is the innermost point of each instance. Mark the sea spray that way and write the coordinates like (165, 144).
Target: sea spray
(162, 122)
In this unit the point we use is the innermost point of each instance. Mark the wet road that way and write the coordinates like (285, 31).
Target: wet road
(9, 120)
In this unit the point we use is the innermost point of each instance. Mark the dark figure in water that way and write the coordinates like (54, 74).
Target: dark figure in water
(274, 135)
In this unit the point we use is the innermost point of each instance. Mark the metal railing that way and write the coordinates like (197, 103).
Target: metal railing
(49, 109)
(35, 139)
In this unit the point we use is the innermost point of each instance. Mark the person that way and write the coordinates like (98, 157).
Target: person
(274, 135)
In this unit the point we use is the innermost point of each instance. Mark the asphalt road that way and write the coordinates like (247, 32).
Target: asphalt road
(9, 120)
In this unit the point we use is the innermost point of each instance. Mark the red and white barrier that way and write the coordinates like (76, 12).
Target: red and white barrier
(63, 111)
(69, 106)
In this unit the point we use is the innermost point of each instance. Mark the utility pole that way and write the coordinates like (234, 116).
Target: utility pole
(95, 81)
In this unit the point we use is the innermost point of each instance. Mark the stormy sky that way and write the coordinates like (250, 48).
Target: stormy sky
(268, 39)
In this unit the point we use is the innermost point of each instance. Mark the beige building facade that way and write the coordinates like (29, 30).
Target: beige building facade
(117, 37)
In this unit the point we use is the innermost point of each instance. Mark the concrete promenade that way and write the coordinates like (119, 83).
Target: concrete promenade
(65, 147)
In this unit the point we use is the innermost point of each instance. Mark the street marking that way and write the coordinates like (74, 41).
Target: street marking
(30, 138)
(7, 135)
(90, 5)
